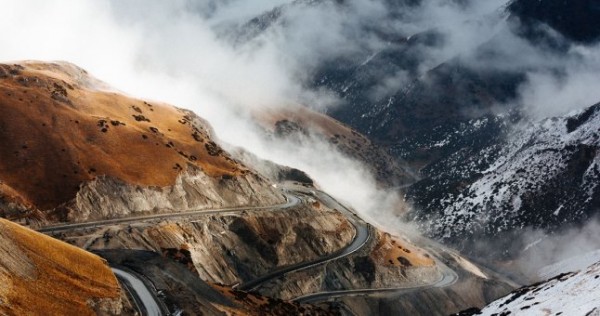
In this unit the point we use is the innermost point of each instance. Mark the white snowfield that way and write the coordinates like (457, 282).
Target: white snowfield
(571, 294)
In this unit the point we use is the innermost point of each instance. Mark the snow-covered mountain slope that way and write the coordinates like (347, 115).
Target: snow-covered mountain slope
(543, 175)
(576, 263)
(569, 294)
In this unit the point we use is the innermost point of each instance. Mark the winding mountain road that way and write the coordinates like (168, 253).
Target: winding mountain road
(292, 201)
(447, 278)
(146, 299)
(361, 237)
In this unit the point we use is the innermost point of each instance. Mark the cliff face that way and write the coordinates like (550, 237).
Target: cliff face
(69, 142)
(193, 189)
(43, 276)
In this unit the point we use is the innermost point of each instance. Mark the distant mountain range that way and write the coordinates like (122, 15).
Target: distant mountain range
(486, 167)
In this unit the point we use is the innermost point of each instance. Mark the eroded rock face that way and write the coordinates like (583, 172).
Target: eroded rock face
(384, 262)
(234, 247)
(193, 190)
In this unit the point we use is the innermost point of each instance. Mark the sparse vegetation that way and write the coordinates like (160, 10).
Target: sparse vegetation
(48, 277)
(141, 118)
(50, 181)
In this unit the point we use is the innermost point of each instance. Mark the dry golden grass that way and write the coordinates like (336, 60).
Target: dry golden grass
(60, 127)
(394, 251)
(64, 280)
(328, 126)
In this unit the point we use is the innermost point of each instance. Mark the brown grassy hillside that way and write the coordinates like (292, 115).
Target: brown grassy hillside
(290, 120)
(59, 128)
(43, 276)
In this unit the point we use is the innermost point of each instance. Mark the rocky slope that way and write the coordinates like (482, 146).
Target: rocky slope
(385, 262)
(415, 283)
(220, 251)
(43, 276)
(185, 293)
(235, 247)
(70, 144)
(77, 151)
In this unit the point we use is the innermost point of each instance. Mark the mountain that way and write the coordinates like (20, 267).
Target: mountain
(72, 148)
(574, 293)
(43, 276)
(416, 121)
(543, 175)
(298, 123)
(191, 225)
(484, 169)
(186, 227)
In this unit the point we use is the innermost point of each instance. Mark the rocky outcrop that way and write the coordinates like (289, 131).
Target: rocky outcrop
(193, 190)
(235, 247)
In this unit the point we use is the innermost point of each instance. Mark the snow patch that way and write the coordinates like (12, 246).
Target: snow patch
(573, 294)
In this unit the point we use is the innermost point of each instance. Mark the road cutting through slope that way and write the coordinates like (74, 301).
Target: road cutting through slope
(145, 300)
(363, 234)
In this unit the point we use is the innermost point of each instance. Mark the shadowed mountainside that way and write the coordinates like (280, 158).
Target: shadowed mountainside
(295, 122)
